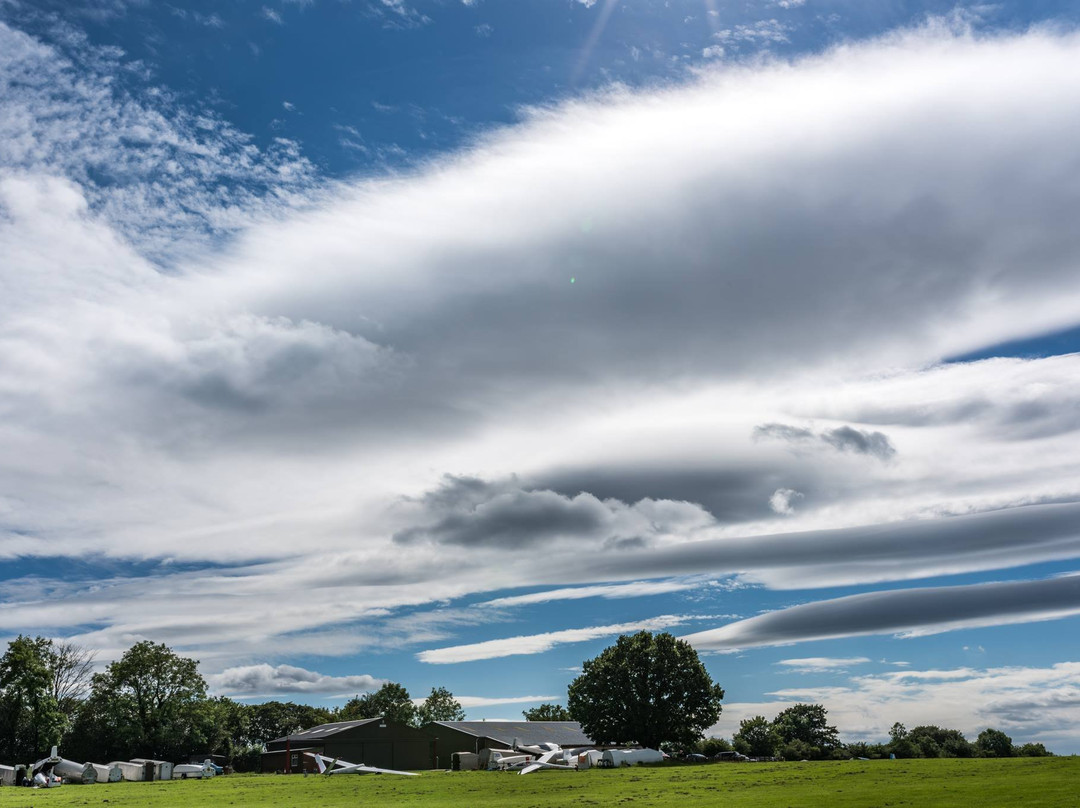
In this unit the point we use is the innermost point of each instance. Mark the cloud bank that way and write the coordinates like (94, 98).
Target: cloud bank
(539, 643)
(397, 371)
(911, 612)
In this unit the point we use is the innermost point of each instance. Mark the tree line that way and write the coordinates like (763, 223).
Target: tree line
(802, 732)
(154, 703)
(647, 689)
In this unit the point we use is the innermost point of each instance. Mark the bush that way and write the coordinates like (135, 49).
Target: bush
(1033, 750)
(994, 743)
(711, 747)
(800, 750)
(903, 748)
(248, 758)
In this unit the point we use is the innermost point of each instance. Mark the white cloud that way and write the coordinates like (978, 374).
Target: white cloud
(906, 612)
(635, 589)
(539, 643)
(470, 512)
(399, 14)
(821, 664)
(1036, 705)
(761, 31)
(251, 681)
(284, 404)
(169, 179)
(483, 701)
(782, 499)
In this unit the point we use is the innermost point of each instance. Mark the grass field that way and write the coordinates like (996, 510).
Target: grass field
(1027, 782)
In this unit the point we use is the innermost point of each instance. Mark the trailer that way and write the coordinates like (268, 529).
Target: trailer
(72, 772)
(162, 768)
(464, 761)
(614, 758)
(194, 771)
(132, 772)
(108, 774)
(589, 759)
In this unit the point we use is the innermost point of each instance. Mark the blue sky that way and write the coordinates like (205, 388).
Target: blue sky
(442, 342)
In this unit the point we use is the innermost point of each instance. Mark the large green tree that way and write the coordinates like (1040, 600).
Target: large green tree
(147, 704)
(756, 737)
(391, 701)
(646, 689)
(804, 731)
(547, 712)
(932, 742)
(994, 743)
(276, 719)
(30, 717)
(439, 706)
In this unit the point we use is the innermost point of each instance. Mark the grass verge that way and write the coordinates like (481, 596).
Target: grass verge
(1027, 782)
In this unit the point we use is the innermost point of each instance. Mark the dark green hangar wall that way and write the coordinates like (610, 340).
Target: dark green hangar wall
(373, 742)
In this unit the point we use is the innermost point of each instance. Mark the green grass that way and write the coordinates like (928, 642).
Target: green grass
(1026, 782)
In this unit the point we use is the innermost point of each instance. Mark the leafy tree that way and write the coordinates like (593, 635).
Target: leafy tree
(276, 719)
(898, 732)
(994, 743)
(391, 701)
(30, 718)
(1033, 750)
(866, 750)
(799, 750)
(439, 706)
(711, 747)
(931, 742)
(756, 737)
(903, 748)
(547, 712)
(806, 727)
(220, 727)
(645, 689)
(146, 704)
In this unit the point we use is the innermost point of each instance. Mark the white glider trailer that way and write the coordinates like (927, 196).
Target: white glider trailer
(162, 768)
(193, 771)
(589, 759)
(464, 761)
(132, 772)
(108, 774)
(82, 773)
(614, 758)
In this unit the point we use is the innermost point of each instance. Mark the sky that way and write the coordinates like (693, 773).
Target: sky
(442, 342)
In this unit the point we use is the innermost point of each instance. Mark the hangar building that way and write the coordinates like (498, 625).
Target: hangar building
(371, 741)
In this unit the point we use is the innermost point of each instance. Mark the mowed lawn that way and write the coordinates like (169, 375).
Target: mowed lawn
(1027, 782)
